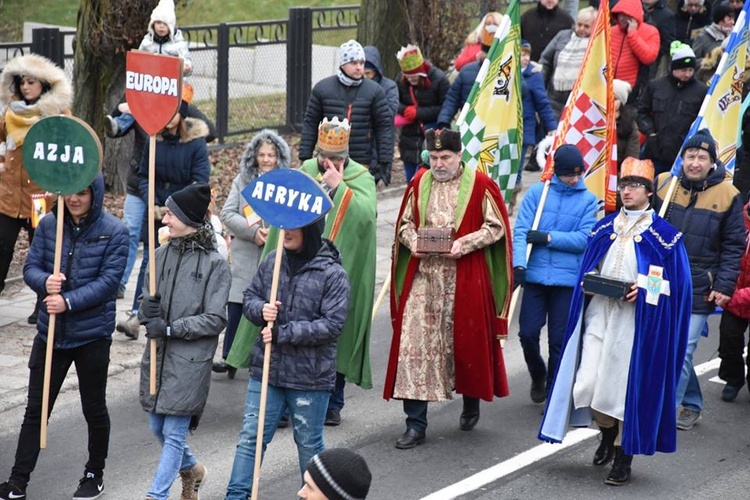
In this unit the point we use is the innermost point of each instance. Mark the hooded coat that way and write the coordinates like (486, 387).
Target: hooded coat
(314, 302)
(631, 50)
(740, 303)
(245, 253)
(372, 56)
(94, 254)
(16, 118)
(193, 281)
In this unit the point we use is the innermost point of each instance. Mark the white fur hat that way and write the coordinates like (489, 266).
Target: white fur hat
(621, 89)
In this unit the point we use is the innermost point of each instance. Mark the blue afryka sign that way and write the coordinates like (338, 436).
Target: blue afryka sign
(287, 199)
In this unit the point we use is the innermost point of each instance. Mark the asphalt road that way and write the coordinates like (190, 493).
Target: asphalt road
(712, 462)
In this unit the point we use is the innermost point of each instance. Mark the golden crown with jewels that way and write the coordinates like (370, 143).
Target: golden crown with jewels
(333, 135)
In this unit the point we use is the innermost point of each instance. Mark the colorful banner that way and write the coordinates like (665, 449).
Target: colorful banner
(588, 120)
(491, 121)
(720, 111)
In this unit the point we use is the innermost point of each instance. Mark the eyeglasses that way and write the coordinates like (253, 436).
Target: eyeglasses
(629, 185)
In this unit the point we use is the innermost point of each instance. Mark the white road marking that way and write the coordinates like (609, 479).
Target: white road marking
(511, 465)
(536, 453)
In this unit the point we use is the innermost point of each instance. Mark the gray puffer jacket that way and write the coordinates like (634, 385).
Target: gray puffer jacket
(314, 303)
(193, 281)
(245, 253)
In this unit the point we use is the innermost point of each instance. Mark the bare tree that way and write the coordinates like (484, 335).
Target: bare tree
(106, 30)
(439, 27)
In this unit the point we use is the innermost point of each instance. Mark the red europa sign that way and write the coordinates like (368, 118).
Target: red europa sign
(153, 88)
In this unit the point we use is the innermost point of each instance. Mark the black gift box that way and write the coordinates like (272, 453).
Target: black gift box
(602, 285)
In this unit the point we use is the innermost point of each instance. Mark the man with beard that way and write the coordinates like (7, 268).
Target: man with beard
(449, 305)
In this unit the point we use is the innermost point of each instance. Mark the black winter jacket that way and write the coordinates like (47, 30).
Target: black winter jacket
(668, 107)
(314, 304)
(710, 214)
(429, 101)
(368, 112)
(540, 25)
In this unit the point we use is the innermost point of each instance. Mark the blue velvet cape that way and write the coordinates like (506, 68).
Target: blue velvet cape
(661, 334)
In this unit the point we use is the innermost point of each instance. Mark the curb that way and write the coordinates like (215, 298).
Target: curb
(18, 397)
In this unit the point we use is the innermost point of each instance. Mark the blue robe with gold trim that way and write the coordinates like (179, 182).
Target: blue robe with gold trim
(661, 333)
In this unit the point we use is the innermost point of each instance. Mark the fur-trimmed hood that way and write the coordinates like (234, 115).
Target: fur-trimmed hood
(248, 162)
(194, 128)
(54, 102)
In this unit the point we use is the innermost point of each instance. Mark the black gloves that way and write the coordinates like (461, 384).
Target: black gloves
(151, 307)
(156, 329)
(519, 276)
(382, 173)
(537, 237)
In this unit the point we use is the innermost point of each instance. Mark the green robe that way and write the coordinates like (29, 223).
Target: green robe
(351, 227)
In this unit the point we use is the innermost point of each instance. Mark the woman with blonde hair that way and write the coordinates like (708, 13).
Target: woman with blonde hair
(473, 43)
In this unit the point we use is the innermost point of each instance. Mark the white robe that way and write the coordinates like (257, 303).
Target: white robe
(602, 376)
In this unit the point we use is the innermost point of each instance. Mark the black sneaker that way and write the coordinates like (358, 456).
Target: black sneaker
(33, 317)
(9, 491)
(333, 417)
(89, 487)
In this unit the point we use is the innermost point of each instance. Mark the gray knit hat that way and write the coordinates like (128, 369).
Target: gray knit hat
(351, 51)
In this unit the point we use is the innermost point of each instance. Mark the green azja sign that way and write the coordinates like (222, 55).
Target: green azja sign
(62, 154)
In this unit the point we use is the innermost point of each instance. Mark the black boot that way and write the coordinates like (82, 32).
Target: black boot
(470, 415)
(606, 449)
(620, 473)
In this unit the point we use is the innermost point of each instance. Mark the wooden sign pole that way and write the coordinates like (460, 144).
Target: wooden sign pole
(51, 327)
(266, 369)
(151, 253)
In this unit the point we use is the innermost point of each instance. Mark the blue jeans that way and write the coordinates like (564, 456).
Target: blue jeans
(234, 314)
(540, 302)
(308, 413)
(689, 389)
(409, 170)
(171, 431)
(132, 214)
(337, 396)
(141, 277)
(124, 122)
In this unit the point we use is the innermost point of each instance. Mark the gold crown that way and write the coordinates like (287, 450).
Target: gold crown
(488, 34)
(333, 135)
(410, 59)
(632, 167)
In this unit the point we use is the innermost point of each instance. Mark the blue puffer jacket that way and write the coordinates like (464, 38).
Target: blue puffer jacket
(94, 254)
(181, 160)
(314, 303)
(534, 100)
(568, 216)
(459, 92)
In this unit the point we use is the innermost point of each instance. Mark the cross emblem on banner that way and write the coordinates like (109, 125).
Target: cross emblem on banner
(654, 284)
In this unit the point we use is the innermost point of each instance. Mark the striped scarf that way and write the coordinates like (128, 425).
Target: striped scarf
(569, 62)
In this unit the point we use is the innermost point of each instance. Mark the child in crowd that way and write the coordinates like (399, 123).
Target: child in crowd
(162, 37)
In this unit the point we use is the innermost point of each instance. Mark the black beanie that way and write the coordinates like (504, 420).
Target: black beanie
(721, 11)
(340, 474)
(568, 160)
(702, 140)
(190, 204)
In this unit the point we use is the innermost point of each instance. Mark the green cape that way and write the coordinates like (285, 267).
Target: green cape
(351, 226)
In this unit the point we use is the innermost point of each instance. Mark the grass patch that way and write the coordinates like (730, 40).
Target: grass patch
(13, 13)
(251, 113)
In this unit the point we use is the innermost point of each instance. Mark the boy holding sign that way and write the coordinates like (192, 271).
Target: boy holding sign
(94, 252)
(185, 318)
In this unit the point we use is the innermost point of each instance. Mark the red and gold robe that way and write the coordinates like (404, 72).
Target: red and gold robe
(448, 315)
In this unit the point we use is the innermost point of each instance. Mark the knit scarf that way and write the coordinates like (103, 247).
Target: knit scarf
(569, 62)
(19, 117)
(348, 81)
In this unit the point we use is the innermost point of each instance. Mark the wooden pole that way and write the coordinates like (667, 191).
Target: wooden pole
(51, 327)
(529, 246)
(381, 296)
(668, 198)
(151, 252)
(266, 369)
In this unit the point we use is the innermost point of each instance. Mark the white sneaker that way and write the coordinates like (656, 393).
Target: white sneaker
(130, 326)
